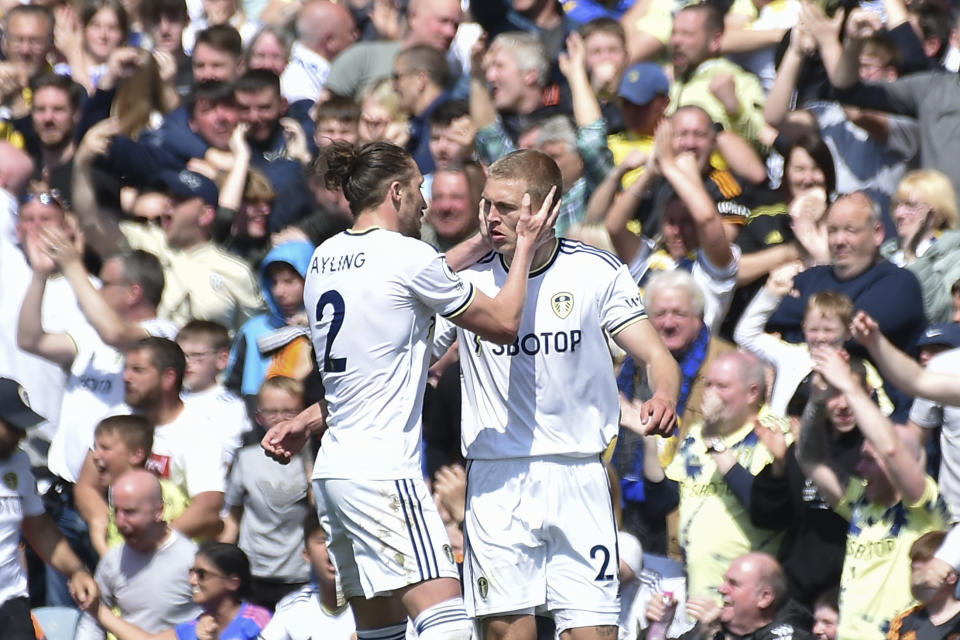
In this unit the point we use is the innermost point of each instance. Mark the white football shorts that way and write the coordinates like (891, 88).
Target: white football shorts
(541, 538)
(383, 534)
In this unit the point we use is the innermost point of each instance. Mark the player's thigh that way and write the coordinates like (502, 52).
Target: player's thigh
(583, 559)
(377, 613)
(504, 555)
(385, 535)
(516, 627)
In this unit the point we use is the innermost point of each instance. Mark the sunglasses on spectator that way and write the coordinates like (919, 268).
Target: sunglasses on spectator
(203, 574)
(45, 198)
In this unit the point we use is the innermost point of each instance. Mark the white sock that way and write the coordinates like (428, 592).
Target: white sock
(444, 621)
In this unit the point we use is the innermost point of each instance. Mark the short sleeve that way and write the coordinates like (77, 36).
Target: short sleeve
(854, 491)
(235, 493)
(620, 302)
(26, 485)
(444, 334)
(927, 413)
(204, 466)
(441, 288)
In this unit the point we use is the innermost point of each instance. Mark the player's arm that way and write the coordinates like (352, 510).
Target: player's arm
(202, 517)
(467, 252)
(55, 347)
(906, 474)
(643, 343)
(901, 370)
(286, 438)
(497, 319)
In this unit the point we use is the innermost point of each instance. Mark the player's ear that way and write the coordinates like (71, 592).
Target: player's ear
(396, 193)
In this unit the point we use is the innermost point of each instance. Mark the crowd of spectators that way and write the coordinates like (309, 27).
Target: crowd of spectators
(779, 176)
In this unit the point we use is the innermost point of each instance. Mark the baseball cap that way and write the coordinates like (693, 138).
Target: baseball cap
(642, 82)
(188, 184)
(946, 333)
(15, 406)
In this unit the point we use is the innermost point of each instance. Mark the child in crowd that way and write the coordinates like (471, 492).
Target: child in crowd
(276, 342)
(206, 348)
(122, 443)
(316, 610)
(336, 119)
(267, 501)
(825, 321)
(826, 615)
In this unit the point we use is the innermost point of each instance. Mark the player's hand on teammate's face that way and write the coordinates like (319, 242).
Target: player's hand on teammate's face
(538, 227)
(285, 439)
(484, 226)
(659, 417)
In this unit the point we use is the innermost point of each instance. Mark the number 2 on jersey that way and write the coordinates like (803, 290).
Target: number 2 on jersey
(335, 300)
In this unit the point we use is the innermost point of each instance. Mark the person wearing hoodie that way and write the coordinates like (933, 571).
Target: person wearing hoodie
(276, 342)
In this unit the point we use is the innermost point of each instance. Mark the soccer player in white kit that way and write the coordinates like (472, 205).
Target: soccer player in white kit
(372, 293)
(537, 414)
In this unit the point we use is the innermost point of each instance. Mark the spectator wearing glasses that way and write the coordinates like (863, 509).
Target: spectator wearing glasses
(268, 502)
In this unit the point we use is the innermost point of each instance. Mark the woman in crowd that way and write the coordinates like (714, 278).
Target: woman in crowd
(269, 49)
(220, 578)
(87, 41)
(924, 206)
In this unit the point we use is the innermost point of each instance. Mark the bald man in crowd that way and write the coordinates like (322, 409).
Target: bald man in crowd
(146, 576)
(324, 29)
(753, 592)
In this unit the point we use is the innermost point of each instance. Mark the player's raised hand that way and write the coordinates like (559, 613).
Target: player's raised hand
(538, 227)
(659, 416)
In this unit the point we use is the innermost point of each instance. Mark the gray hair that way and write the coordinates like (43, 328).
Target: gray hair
(282, 35)
(679, 279)
(527, 51)
(557, 128)
(863, 199)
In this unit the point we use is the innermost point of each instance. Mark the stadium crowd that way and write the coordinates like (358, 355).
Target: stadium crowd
(755, 229)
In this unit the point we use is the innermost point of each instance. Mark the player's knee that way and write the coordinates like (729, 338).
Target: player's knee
(444, 621)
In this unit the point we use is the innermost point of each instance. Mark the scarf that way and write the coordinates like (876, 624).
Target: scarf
(630, 445)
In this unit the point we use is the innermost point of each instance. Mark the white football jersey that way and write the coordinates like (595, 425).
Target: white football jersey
(553, 391)
(371, 299)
